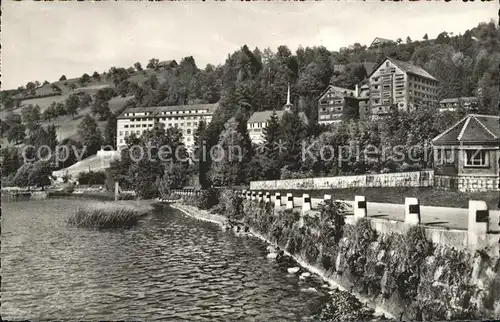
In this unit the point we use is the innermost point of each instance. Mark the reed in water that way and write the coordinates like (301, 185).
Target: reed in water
(109, 215)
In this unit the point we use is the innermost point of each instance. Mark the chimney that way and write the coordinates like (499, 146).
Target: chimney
(356, 91)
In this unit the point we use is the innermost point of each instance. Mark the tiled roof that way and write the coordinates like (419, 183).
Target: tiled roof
(264, 116)
(410, 68)
(456, 99)
(158, 109)
(210, 107)
(369, 66)
(381, 40)
(471, 129)
(168, 62)
(340, 90)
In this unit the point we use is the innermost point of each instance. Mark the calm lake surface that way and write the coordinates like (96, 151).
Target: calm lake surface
(169, 267)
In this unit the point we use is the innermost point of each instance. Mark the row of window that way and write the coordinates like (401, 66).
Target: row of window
(186, 131)
(473, 158)
(330, 102)
(257, 125)
(168, 118)
(185, 112)
(139, 125)
(421, 95)
(424, 88)
(422, 80)
(170, 124)
(331, 109)
(188, 139)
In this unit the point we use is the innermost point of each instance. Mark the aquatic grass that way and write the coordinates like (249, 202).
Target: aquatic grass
(109, 215)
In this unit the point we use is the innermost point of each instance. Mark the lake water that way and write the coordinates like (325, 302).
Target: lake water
(169, 267)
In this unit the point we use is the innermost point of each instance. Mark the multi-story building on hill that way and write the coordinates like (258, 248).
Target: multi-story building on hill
(336, 103)
(332, 104)
(395, 83)
(452, 104)
(184, 117)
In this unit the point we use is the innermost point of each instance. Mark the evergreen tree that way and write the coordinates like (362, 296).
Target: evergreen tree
(293, 132)
(90, 134)
(270, 161)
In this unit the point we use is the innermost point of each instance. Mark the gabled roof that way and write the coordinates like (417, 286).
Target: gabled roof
(381, 40)
(471, 129)
(210, 107)
(264, 116)
(168, 63)
(340, 90)
(457, 99)
(369, 66)
(406, 67)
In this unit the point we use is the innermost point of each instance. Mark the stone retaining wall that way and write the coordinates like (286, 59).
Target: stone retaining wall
(467, 183)
(390, 263)
(402, 179)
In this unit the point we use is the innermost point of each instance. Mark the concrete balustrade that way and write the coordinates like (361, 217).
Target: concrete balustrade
(289, 201)
(360, 207)
(478, 217)
(412, 211)
(479, 229)
(268, 197)
(306, 203)
(277, 200)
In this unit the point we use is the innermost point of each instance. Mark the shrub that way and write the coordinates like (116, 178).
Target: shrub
(331, 221)
(326, 262)
(230, 205)
(342, 306)
(206, 200)
(92, 177)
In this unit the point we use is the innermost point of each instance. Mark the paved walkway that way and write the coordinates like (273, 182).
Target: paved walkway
(453, 218)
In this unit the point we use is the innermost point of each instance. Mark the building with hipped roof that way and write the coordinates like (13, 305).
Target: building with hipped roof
(394, 83)
(466, 155)
(185, 117)
(335, 103)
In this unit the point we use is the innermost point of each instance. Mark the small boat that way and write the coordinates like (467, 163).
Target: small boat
(293, 270)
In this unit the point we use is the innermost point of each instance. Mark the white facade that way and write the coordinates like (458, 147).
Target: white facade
(256, 131)
(186, 118)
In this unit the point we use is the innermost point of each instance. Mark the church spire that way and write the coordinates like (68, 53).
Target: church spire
(288, 96)
(288, 106)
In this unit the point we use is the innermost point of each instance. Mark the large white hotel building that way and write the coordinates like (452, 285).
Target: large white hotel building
(185, 117)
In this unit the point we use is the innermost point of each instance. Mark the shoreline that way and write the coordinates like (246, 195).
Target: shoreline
(220, 220)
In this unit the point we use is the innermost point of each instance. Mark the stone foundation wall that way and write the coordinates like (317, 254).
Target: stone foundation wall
(408, 272)
(466, 183)
(402, 179)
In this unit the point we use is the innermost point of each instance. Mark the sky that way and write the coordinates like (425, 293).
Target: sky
(44, 40)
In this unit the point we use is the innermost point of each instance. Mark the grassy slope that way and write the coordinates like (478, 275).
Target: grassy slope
(67, 127)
